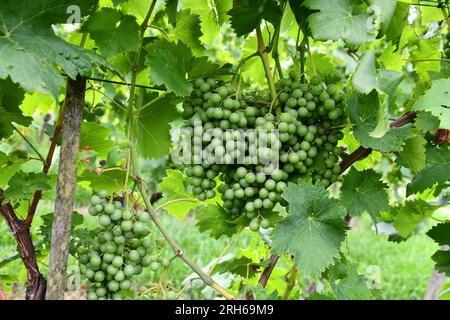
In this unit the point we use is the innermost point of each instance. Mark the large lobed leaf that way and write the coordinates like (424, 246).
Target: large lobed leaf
(246, 15)
(437, 170)
(313, 231)
(113, 32)
(152, 124)
(436, 100)
(339, 19)
(364, 192)
(363, 113)
(11, 96)
(31, 53)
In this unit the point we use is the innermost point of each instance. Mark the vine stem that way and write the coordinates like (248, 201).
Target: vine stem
(175, 247)
(445, 13)
(291, 278)
(265, 60)
(29, 143)
(357, 155)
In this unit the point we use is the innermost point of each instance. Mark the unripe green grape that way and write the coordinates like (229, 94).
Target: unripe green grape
(92, 211)
(125, 284)
(109, 208)
(126, 225)
(154, 266)
(254, 225)
(265, 223)
(95, 200)
(128, 270)
(99, 276)
(127, 215)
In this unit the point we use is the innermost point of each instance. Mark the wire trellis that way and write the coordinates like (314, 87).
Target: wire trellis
(438, 4)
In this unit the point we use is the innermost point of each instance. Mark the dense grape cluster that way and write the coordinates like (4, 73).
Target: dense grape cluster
(301, 133)
(120, 250)
(447, 46)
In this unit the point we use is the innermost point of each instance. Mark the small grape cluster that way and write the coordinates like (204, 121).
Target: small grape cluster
(447, 46)
(92, 113)
(120, 249)
(307, 122)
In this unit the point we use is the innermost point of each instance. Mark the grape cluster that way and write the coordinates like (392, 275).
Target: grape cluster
(120, 249)
(447, 46)
(301, 133)
(92, 113)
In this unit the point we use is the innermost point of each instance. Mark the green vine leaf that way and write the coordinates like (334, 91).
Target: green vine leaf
(174, 187)
(347, 283)
(188, 30)
(413, 154)
(112, 180)
(213, 219)
(314, 229)
(410, 215)
(23, 185)
(31, 52)
(97, 137)
(361, 109)
(152, 125)
(437, 170)
(364, 192)
(339, 19)
(113, 32)
(436, 100)
(246, 15)
(11, 96)
(169, 63)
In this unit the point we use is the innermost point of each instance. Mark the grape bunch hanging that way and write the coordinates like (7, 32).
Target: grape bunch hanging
(308, 118)
(121, 248)
(447, 46)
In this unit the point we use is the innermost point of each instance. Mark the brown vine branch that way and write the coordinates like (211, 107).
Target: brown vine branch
(36, 285)
(357, 155)
(48, 162)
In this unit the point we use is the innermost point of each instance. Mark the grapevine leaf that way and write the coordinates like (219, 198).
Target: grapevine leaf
(202, 68)
(213, 13)
(413, 154)
(11, 95)
(9, 165)
(410, 215)
(385, 9)
(442, 259)
(169, 62)
(171, 10)
(301, 13)
(261, 293)
(111, 180)
(347, 283)
(339, 19)
(361, 112)
(365, 76)
(437, 101)
(428, 50)
(152, 128)
(96, 137)
(46, 228)
(313, 231)
(437, 170)
(440, 233)
(23, 185)
(426, 122)
(364, 192)
(113, 32)
(361, 108)
(188, 30)
(246, 15)
(213, 219)
(242, 266)
(173, 187)
(398, 22)
(30, 50)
